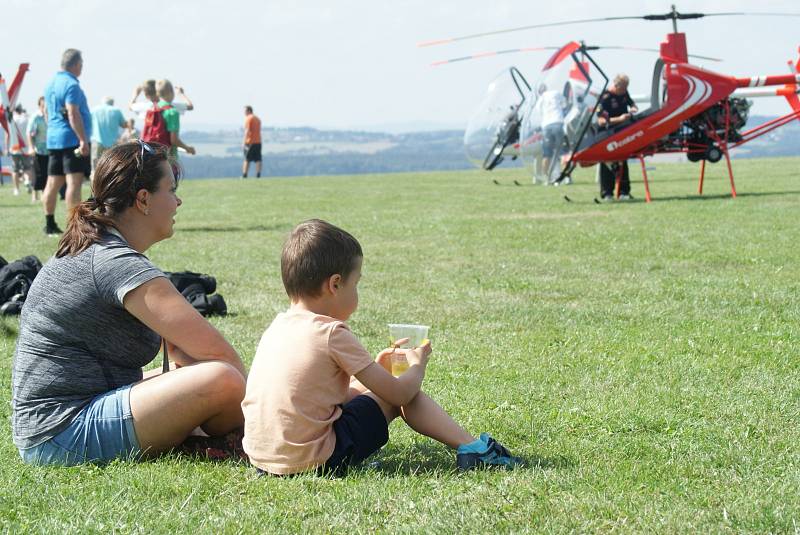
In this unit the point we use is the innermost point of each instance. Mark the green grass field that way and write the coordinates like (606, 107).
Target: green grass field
(642, 358)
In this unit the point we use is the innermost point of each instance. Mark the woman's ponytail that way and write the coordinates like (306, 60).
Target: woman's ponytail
(85, 223)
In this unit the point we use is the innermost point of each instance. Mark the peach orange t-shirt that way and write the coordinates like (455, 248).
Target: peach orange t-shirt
(252, 129)
(299, 378)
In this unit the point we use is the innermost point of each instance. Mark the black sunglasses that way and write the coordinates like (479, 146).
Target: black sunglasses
(145, 149)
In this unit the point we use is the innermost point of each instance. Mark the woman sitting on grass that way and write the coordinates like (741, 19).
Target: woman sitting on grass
(97, 312)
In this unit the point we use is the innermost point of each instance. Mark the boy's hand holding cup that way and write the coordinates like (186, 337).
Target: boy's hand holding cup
(412, 344)
(419, 355)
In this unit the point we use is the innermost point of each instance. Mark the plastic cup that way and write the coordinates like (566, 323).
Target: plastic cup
(417, 335)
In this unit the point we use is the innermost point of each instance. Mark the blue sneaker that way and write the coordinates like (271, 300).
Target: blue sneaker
(483, 452)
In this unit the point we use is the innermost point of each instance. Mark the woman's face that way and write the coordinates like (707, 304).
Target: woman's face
(164, 203)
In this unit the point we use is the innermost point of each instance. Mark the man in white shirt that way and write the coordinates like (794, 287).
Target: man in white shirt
(552, 105)
(22, 163)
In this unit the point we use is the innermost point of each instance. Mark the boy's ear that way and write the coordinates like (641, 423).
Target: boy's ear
(333, 283)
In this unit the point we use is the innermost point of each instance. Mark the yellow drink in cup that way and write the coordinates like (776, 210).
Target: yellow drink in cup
(399, 364)
(417, 335)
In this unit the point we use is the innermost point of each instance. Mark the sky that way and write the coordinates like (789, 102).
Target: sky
(354, 63)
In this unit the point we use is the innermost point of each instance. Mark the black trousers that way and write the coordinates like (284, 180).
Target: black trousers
(608, 178)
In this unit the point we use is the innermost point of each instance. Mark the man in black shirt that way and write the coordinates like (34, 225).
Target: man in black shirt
(616, 107)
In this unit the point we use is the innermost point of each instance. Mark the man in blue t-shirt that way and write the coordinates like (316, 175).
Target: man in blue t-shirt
(69, 127)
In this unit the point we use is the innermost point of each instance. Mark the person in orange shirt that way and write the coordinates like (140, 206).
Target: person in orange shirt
(252, 142)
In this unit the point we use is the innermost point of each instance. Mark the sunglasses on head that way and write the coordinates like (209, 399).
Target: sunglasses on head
(146, 149)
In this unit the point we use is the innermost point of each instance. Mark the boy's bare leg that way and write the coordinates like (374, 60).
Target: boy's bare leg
(428, 418)
(423, 415)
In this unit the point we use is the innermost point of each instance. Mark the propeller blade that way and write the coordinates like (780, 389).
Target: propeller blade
(491, 54)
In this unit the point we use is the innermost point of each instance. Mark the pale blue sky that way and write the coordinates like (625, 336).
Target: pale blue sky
(354, 63)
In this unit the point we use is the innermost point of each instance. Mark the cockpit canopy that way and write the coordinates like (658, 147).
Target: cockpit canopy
(496, 119)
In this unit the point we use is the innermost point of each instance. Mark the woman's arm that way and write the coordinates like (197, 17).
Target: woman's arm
(161, 307)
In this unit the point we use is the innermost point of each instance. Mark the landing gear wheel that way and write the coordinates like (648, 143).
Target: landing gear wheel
(494, 157)
(713, 154)
(508, 134)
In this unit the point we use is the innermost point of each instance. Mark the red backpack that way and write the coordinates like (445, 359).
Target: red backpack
(155, 127)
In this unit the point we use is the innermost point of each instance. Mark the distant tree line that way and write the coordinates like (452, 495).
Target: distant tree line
(417, 151)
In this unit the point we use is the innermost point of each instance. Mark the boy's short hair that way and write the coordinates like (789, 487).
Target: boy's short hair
(164, 89)
(314, 251)
(149, 89)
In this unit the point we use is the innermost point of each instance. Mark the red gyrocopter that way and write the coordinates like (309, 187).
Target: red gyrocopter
(692, 110)
(8, 99)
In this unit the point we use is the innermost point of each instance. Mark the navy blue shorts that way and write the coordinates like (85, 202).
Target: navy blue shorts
(360, 431)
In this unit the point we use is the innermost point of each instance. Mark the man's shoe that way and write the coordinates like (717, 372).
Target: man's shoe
(52, 230)
(607, 198)
(485, 452)
(626, 197)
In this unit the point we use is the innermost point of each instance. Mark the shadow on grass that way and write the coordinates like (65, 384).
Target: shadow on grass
(717, 196)
(432, 457)
(254, 228)
(689, 197)
(421, 457)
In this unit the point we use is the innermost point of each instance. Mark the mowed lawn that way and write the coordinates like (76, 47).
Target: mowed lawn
(642, 358)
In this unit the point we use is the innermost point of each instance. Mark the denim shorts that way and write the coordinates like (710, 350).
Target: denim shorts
(101, 432)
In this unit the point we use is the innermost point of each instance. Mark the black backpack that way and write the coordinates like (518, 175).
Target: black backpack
(15, 281)
(197, 289)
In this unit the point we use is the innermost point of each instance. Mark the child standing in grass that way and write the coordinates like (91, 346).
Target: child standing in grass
(316, 400)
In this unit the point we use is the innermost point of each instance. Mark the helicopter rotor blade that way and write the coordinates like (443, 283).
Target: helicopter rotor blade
(638, 49)
(541, 48)
(494, 53)
(687, 16)
(510, 30)
(674, 15)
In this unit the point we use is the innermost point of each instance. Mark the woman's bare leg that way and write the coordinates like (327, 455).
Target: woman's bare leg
(167, 407)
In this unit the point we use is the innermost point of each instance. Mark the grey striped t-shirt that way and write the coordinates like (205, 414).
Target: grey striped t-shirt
(75, 338)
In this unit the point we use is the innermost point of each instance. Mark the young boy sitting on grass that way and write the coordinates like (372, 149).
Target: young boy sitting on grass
(315, 398)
